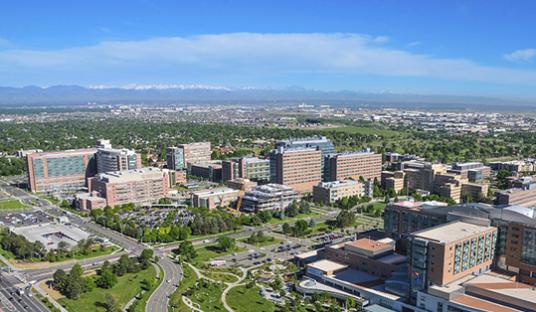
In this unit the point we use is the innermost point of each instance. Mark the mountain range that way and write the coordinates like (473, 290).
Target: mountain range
(62, 95)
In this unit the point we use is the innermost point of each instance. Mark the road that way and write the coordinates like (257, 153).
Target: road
(11, 301)
(159, 300)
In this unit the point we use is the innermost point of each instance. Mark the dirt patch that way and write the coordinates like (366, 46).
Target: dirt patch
(54, 294)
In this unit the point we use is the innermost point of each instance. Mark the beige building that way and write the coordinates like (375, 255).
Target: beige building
(137, 186)
(300, 169)
(393, 180)
(354, 165)
(474, 190)
(420, 175)
(213, 198)
(330, 192)
(196, 152)
(445, 253)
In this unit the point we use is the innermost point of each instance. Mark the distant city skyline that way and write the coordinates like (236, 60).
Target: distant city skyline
(469, 48)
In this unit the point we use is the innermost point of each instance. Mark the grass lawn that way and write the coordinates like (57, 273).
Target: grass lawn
(188, 280)
(270, 240)
(126, 288)
(220, 276)
(311, 214)
(208, 295)
(320, 227)
(140, 305)
(243, 299)
(12, 204)
(209, 252)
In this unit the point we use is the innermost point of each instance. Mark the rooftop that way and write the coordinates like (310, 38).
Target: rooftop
(327, 266)
(215, 192)
(51, 234)
(128, 175)
(333, 184)
(451, 232)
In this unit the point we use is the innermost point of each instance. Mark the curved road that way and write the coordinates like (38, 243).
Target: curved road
(159, 300)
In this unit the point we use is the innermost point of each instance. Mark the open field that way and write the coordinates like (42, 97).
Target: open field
(126, 288)
(209, 252)
(243, 299)
(12, 204)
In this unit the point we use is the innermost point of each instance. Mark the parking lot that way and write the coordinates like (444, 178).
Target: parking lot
(10, 219)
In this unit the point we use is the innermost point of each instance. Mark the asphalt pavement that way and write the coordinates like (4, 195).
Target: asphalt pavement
(159, 300)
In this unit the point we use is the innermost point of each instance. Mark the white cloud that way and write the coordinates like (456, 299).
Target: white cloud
(5, 44)
(249, 54)
(525, 55)
(413, 44)
(381, 39)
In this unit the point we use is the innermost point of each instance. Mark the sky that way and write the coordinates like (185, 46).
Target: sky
(479, 48)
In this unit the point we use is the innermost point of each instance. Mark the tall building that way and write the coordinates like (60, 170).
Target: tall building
(321, 143)
(420, 175)
(113, 159)
(185, 155)
(448, 252)
(299, 168)
(516, 240)
(175, 158)
(133, 186)
(354, 165)
(60, 171)
(252, 168)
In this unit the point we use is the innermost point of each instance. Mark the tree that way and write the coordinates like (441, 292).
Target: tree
(107, 279)
(286, 228)
(226, 243)
(345, 219)
(502, 181)
(145, 256)
(265, 216)
(60, 280)
(110, 304)
(187, 251)
(300, 228)
(292, 210)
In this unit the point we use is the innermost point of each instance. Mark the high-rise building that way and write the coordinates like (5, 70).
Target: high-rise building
(515, 249)
(448, 252)
(299, 168)
(60, 171)
(420, 175)
(252, 168)
(185, 155)
(321, 143)
(175, 158)
(393, 180)
(353, 165)
(113, 159)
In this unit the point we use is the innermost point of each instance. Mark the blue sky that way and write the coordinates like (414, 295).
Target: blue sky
(428, 47)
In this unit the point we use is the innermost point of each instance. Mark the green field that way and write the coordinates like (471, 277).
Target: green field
(208, 295)
(140, 305)
(270, 240)
(12, 204)
(209, 252)
(220, 276)
(311, 214)
(243, 299)
(126, 288)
